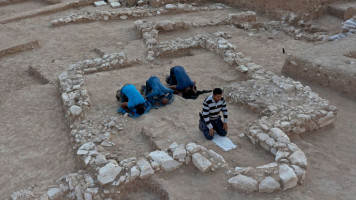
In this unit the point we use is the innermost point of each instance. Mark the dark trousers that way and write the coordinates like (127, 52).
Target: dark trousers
(218, 126)
(171, 79)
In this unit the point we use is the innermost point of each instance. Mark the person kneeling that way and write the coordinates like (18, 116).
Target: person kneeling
(132, 101)
(180, 82)
(156, 93)
(210, 118)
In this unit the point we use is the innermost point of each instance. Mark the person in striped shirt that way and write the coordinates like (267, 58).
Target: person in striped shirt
(210, 118)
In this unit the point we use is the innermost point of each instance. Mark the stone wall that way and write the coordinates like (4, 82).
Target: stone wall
(309, 8)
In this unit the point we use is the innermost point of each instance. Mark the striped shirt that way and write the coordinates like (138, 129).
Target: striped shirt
(211, 110)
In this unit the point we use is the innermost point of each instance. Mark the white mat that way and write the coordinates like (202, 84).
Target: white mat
(223, 142)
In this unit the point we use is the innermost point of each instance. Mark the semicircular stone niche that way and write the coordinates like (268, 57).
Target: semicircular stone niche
(285, 106)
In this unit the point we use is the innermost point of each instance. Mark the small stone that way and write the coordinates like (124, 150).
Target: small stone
(269, 185)
(100, 3)
(75, 110)
(115, 4)
(327, 120)
(243, 183)
(216, 156)
(54, 193)
(134, 172)
(173, 147)
(166, 25)
(201, 162)
(298, 158)
(123, 17)
(300, 173)
(145, 168)
(180, 153)
(281, 154)
(128, 162)
(87, 196)
(242, 69)
(192, 148)
(166, 161)
(108, 173)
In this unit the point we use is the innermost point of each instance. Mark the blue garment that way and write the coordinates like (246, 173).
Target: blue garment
(134, 96)
(155, 92)
(135, 114)
(182, 78)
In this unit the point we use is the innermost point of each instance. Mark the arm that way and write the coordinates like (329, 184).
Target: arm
(174, 88)
(225, 113)
(224, 110)
(124, 106)
(206, 115)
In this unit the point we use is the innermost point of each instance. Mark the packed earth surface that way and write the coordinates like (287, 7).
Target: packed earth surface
(287, 70)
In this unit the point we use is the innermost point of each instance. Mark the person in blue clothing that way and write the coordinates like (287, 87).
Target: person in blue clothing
(131, 100)
(181, 83)
(156, 93)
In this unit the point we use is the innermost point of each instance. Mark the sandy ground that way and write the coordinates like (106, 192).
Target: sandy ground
(34, 137)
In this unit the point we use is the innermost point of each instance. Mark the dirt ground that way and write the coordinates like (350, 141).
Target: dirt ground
(34, 137)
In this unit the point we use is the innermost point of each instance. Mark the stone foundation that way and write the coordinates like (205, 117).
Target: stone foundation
(326, 65)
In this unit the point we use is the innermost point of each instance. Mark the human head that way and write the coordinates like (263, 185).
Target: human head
(190, 92)
(165, 100)
(217, 94)
(140, 109)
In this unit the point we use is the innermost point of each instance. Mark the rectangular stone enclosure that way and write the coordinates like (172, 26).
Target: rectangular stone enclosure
(332, 64)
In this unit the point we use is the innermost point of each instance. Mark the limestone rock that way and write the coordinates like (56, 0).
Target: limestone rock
(288, 177)
(145, 168)
(166, 161)
(269, 185)
(134, 172)
(108, 173)
(174, 145)
(300, 173)
(327, 120)
(192, 148)
(128, 162)
(243, 183)
(281, 154)
(201, 162)
(75, 110)
(242, 68)
(100, 3)
(216, 156)
(298, 158)
(179, 153)
(54, 193)
(166, 25)
(279, 135)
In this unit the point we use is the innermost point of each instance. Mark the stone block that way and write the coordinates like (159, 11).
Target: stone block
(288, 176)
(100, 3)
(145, 168)
(243, 183)
(180, 153)
(300, 173)
(201, 162)
(54, 193)
(166, 161)
(269, 185)
(298, 158)
(108, 173)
